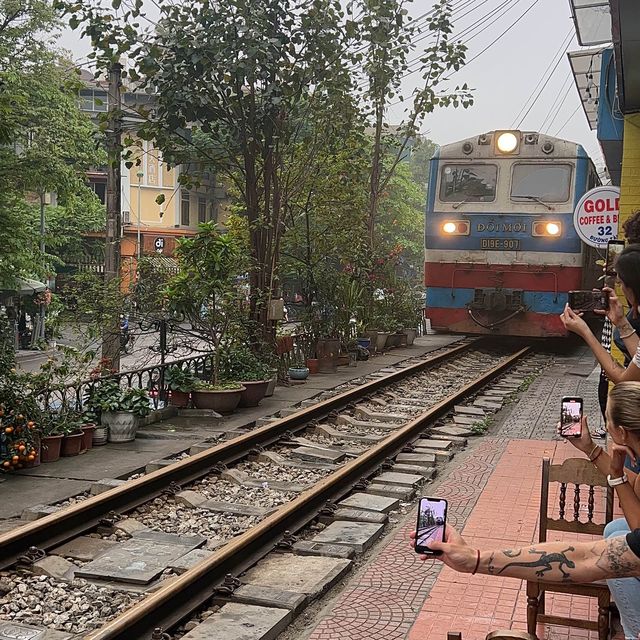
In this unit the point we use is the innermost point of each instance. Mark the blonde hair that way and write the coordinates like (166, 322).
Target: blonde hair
(625, 405)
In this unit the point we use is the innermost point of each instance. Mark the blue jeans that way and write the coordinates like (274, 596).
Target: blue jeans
(625, 591)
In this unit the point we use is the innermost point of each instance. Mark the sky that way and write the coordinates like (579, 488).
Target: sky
(503, 77)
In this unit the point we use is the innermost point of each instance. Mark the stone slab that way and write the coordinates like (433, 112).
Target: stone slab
(458, 441)
(426, 472)
(235, 509)
(402, 479)
(310, 575)
(236, 621)
(369, 502)
(391, 491)
(357, 535)
(191, 559)
(360, 515)
(349, 421)
(470, 411)
(326, 430)
(38, 511)
(191, 499)
(366, 414)
(309, 548)
(17, 631)
(440, 456)
(130, 526)
(466, 420)
(154, 465)
(84, 548)
(488, 405)
(433, 444)
(105, 485)
(276, 458)
(318, 453)
(137, 561)
(170, 538)
(55, 567)
(269, 597)
(238, 477)
(423, 460)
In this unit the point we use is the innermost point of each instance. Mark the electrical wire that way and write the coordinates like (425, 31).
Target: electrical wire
(544, 80)
(554, 111)
(568, 120)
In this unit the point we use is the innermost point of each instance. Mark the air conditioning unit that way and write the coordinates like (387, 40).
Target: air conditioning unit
(126, 217)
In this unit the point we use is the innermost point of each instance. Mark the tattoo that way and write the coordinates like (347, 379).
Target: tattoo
(545, 561)
(513, 554)
(491, 568)
(612, 560)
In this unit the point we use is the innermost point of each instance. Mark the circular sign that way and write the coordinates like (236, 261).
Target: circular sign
(158, 243)
(596, 216)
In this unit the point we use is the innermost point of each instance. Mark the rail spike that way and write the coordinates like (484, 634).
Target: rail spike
(219, 468)
(172, 489)
(110, 519)
(287, 542)
(408, 448)
(361, 485)
(159, 634)
(32, 556)
(329, 508)
(229, 585)
(388, 463)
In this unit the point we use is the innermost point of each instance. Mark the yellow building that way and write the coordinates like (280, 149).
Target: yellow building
(149, 228)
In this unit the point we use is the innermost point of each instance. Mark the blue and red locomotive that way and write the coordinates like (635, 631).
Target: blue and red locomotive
(501, 252)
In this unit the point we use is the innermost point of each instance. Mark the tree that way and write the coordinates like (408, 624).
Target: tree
(242, 75)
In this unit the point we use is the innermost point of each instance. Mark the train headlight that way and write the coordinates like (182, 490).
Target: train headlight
(507, 142)
(456, 227)
(449, 227)
(547, 228)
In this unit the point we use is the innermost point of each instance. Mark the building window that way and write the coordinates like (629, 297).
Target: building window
(93, 100)
(211, 214)
(185, 218)
(100, 189)
(202, 209)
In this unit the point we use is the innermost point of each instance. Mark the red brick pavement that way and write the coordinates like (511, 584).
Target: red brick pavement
(494, 499)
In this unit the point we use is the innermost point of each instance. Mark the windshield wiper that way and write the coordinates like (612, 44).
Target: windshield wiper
(472, 198)
(542, 202)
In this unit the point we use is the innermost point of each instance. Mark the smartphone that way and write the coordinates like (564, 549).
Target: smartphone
(588, 300)
(614, 249)
(571, 417)
(432, 519)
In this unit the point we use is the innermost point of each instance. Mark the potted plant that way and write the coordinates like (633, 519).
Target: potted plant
(205, 292)
(298, 371)
(241, 364)
(180, 382)
(70, 422)
(122, 416)
(19, 440)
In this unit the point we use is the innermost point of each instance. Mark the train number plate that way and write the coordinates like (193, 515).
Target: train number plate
(500, 244)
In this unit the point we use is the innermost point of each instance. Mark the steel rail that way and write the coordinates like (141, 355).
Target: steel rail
(56, 528)
(170, 604)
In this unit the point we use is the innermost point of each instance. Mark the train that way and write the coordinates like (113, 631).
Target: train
(501, 251)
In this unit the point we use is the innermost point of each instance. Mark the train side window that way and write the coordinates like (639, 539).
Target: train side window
(468, 182)
(547, 182)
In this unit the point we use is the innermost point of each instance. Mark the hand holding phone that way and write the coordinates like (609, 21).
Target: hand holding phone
(432, 520)
(571, 417)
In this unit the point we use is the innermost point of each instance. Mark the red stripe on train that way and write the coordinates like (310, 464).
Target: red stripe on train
(540, 325)
(527, 277)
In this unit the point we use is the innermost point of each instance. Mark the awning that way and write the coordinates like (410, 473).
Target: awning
(27, 287)
(586, 66)
(593, 21)
(626, 40)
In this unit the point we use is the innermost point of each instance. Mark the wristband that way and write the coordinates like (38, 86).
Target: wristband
(477, 563)
(627, 335)
(595, 446)
(596, 456)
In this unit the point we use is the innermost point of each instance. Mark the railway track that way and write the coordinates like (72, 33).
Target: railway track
(392, 412)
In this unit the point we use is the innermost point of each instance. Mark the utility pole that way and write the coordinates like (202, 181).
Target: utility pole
(111, 334)
(43, 229)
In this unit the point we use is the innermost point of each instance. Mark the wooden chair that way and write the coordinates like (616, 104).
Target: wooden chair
(498, 635)
(575, 471)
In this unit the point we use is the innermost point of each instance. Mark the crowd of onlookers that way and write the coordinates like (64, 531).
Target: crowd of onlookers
(616, 557)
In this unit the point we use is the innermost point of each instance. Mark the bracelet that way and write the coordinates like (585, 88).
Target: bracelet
(597, 454)
(477, 563)
(595, 446)
(628, 335)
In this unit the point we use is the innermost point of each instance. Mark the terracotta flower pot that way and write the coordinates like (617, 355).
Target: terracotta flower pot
(71, 444)
(50, 448)
(253, 393)
(87, 431)
(221, 401)
(312, 365)
(179, 398)
(271, 387)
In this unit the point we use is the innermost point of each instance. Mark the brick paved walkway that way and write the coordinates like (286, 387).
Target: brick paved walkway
(494, 499)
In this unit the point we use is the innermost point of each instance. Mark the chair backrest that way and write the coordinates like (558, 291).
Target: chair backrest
(578, 472)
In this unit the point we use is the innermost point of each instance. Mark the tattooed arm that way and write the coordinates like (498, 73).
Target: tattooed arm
(550, 561)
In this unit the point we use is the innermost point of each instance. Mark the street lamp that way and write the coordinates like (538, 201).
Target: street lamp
(140, 175)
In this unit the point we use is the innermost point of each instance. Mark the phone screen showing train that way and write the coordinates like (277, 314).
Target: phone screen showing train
(571, 417)
(432, 518)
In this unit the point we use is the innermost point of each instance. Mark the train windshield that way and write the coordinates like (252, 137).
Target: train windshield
(468, 182)
(546, 182)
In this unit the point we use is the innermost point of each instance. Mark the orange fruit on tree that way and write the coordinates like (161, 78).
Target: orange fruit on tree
(31, 424)
(6, 464)
(31, 457)
(15, 459)
(22, 448)
(9, 430)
